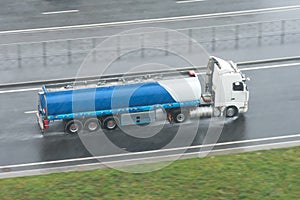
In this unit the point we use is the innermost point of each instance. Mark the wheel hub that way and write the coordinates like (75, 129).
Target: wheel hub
(180, 117)
(74, 128)
(92, 126)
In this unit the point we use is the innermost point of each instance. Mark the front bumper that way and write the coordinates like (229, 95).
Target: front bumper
(243, 109)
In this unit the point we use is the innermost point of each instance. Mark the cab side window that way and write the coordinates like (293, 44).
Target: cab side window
(238, 86)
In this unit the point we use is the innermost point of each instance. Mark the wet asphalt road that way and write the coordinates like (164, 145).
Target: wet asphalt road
(28, 13)
(274, 96)
(273, 111)
(16, 15)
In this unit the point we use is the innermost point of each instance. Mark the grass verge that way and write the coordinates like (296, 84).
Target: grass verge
(272, 174)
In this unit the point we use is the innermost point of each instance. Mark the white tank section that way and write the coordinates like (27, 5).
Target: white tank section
(184, 89)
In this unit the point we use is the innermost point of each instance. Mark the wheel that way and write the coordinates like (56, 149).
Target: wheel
(92, 125)
(231, 111)
(73, 126)
(110, 123)
(179, 116)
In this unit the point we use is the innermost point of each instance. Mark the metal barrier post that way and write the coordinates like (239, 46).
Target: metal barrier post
(44, 44)
(142, 45)
(118, 46)
(213, 46)
(237, 32)
(69, 52)
(190, 39)
(259, 37)
(94, 49)
(166, 43)
(19, 55)
(282, 31)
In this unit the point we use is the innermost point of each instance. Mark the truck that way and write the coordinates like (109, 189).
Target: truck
(135, 99)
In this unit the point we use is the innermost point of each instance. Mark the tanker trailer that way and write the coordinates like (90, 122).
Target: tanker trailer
(134, 99)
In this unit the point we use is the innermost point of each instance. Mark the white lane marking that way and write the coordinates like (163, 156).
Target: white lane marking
(270, 66)
(165, 19)
(60, 12)
(195, 153)
(31, 112)
(152, 151)
(19, 90)
(153, 159)
(189, 1)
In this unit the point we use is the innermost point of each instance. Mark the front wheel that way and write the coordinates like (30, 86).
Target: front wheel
(73, 126)
(231, 111)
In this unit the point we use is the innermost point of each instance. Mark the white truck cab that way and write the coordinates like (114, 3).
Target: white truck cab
(227, 87)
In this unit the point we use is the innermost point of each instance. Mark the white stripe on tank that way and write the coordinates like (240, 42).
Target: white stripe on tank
(183, 89)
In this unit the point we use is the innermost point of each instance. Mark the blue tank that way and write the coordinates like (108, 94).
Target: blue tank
(83, 100)
(105, 98)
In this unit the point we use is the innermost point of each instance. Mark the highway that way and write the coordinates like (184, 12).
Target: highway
(22, 142)
(272, 118)
(33, 14)
(98, 18)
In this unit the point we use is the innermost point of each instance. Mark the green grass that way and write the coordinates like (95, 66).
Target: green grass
(273, 174)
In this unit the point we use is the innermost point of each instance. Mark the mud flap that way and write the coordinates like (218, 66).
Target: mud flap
(40, 122)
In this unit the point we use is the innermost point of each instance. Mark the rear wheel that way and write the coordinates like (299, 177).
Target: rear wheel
(231, 111)
(110, 123)
(179, 116)
(92, 125)
(73, 126)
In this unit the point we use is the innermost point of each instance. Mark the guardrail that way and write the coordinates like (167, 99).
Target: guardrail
(71, 79)
(70, 51)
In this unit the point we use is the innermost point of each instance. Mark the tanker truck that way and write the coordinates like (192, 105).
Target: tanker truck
(136, 98)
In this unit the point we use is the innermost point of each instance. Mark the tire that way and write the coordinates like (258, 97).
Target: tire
(179, 116)
(73, 126)
(92, 125)
(110, 123)
(231, 111)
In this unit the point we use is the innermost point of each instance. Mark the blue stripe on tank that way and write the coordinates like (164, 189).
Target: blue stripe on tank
(123, 110)
(107, 98)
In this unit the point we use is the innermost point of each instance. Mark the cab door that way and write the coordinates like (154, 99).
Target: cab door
(238, 93)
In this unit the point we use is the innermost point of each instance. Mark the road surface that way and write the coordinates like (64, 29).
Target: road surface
(273, 107)
(272, 113)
